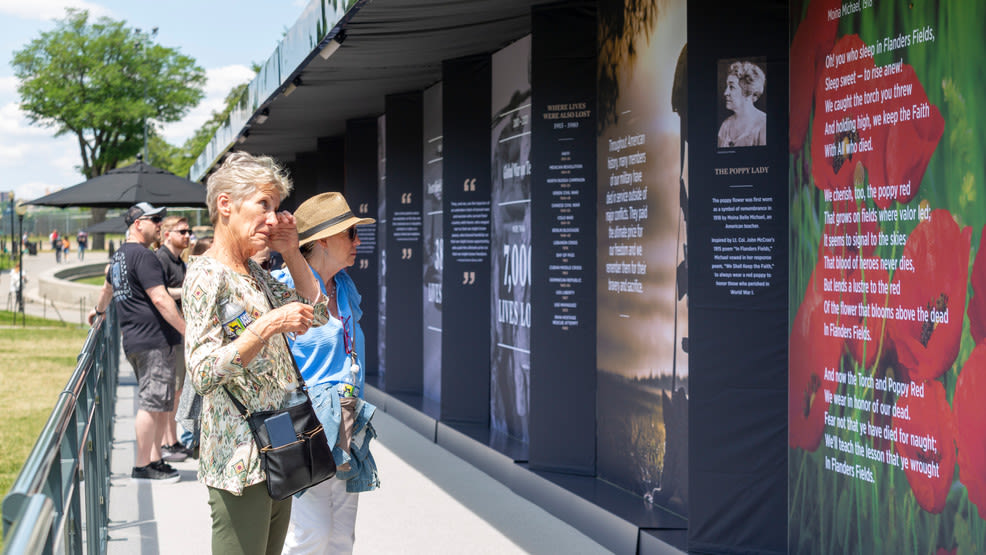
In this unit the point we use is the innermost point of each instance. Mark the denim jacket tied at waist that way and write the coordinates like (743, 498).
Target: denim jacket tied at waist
(362, 475)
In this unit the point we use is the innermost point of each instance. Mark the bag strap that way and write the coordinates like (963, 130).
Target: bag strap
(301, 381)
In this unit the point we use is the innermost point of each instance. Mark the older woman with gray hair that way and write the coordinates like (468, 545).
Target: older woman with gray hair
(748, 124)
(235, 314)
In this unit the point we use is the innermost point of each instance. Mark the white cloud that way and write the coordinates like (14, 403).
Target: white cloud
(8, 84)
(219, 82)
(48, 9)
(14, 126)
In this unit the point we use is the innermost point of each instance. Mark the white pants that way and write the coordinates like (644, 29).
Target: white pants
(323, 520)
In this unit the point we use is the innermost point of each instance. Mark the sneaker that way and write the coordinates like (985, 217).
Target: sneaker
(163, 466)
(174, 453)
(155, 472)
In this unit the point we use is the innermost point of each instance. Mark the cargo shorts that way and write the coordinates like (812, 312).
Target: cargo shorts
(155, 370)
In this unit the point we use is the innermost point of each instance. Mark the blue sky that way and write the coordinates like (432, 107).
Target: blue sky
(223, 36)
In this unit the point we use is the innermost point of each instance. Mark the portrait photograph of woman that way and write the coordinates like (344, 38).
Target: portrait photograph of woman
(743, 122)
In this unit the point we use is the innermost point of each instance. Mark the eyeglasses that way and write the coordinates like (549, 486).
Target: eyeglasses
(154, 219)
(353, 234)
(182, 231)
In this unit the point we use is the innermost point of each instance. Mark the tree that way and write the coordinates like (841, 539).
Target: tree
(99, 81)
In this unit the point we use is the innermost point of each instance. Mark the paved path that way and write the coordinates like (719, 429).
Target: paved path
(430, 502)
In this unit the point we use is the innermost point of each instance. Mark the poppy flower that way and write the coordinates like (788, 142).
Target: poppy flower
(812, 41)
(977, 304)
(837, 143)
(970, 426)
(927, 443)
(869, 304)
(904, 148)
(812, 352)
(933, 293)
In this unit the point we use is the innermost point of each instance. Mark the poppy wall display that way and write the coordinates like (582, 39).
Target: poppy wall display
(888, 278)
(642, 319)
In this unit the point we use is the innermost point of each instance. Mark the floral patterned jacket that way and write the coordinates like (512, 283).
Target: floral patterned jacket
(228, 457)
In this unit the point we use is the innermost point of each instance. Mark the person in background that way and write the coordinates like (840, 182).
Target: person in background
(82, 239)
(56, 245)
(66, 248)
(190, 402)
(15, 287)
(237, 314)
(151, 326)
(330, 357)
(174, 239)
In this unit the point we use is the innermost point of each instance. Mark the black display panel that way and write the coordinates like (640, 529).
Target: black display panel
(404, 252)
(737, 279)
(563, 238)
(432, 240)
(510, 241)
(360, 189)
(466, 260)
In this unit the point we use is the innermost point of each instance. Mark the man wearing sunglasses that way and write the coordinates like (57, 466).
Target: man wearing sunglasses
(152, 327)
(175, 237)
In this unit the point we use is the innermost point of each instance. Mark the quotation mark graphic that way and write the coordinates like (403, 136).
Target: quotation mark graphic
(469, 184)
(468, 278)
(364, 208)
(406, 254)
(364, 263)
(405, 198)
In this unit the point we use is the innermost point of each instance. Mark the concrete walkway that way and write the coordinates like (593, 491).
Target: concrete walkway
(430, 501)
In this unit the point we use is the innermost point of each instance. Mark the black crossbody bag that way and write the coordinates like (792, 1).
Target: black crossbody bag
(301, 462)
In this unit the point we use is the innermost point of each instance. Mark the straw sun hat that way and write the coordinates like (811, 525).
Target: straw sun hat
(323, 216)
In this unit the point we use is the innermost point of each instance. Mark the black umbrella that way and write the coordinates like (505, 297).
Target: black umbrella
(124, 187)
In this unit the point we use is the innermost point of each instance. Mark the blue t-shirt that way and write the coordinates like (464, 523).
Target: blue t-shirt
(321, 353)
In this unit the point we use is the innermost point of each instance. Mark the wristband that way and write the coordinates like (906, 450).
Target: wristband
(264, 341)
(96, 310)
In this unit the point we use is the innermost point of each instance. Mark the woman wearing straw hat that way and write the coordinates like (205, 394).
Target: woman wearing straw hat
(323, 518)
(234, 312)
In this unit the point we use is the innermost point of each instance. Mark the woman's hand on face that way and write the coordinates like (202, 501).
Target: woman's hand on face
(291, 318)
(284, 233)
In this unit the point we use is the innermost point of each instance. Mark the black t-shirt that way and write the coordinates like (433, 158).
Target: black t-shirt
(133, 270)
(174, 269)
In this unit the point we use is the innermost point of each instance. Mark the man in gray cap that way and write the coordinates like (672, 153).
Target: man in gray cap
(152, 327)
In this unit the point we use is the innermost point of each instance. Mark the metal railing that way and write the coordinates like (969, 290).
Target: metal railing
(59, 501)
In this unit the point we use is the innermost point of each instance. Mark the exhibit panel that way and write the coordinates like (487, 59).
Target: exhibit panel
(510, 241)
(404, 252)
(432, 242)
(563, 238)
(382, 249)
(886, 443)
(361, 191)
(466, 105)
(642, 321)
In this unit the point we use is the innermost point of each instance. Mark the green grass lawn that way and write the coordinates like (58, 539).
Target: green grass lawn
(94, 280)
(35, 364)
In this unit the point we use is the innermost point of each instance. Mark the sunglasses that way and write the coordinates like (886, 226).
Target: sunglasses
(352, 233)
(154, 219)
(182, 231)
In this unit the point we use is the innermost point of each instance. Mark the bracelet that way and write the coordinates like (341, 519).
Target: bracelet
(264, 341)
(96, 310)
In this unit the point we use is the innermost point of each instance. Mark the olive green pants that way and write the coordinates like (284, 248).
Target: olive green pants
(248, 524)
